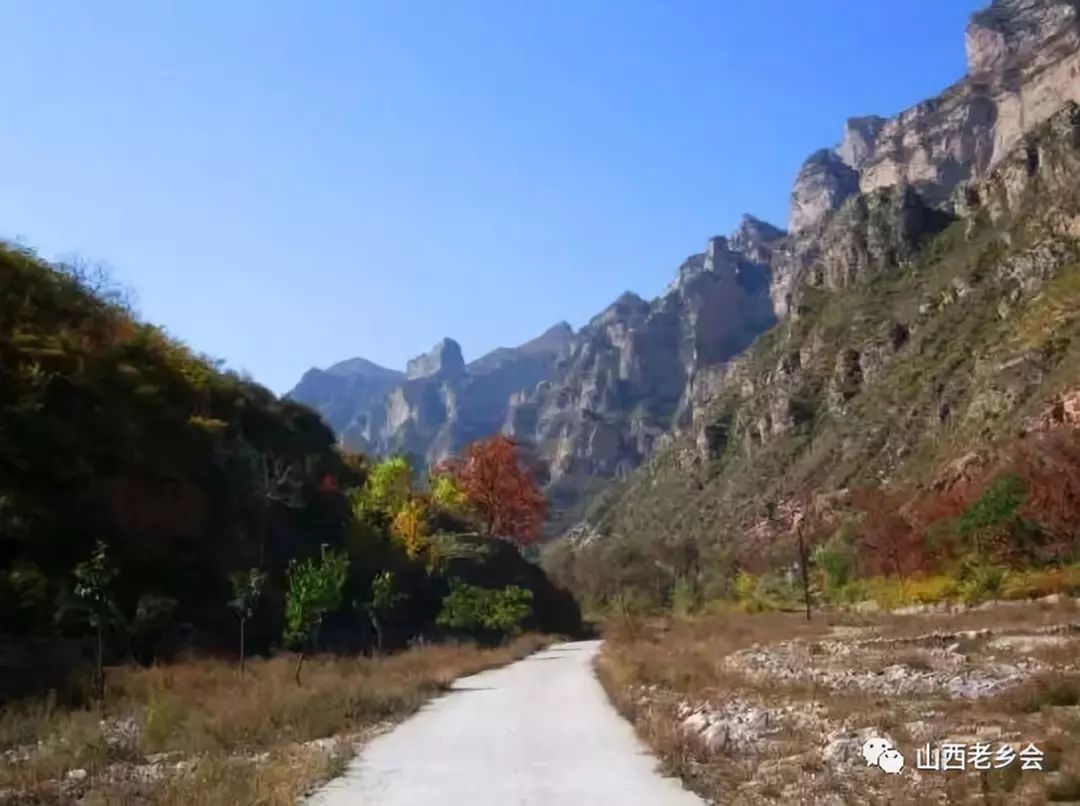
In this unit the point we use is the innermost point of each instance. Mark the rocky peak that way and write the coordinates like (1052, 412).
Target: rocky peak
(553, 340)
(755, 238)
(629, 306)
(720, 258)
(823, 183)
(444, 360)
(361, 367)
(860, 137)
(1023, 62)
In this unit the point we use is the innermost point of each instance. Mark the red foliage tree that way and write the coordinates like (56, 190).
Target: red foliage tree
(500, 490)
(1049, 465)
(888, 542)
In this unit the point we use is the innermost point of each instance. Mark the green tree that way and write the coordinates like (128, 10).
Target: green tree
(470, 608)
(836, 560)
(993, 517)
(383, 601)
(388, 485)
(447, 495)
(247, 590)
(314, 590)
(93, 588)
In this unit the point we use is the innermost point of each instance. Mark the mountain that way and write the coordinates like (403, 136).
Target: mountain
(626, 377)
(928, 298)
(338, 391)
(593, 403)
(598, 403)
(438, 404)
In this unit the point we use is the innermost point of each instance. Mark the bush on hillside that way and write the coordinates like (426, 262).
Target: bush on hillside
(485, 612)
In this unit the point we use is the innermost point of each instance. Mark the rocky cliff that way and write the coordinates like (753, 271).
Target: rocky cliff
(929, 314)
(626, 377)
(643, 374)
(592, 403)
(1023, 60)
(439, 404)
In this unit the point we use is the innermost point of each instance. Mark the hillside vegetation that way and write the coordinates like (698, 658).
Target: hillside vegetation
(143, 489)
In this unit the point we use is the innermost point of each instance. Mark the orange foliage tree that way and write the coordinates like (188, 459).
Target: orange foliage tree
(500, 490)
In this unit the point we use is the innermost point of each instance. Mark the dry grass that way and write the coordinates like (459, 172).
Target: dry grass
(685, 655)
(206, 735)
(653, 669)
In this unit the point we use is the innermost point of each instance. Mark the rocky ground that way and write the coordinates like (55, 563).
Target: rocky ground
(786, 719)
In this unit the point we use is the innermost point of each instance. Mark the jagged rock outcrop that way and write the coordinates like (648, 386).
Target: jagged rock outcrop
(444, 360)
(594, 403)
(641, 373)
(342, 390)
(824, 182)
(439, 405)
(629, 372)
(909, 348)
(1023, 64)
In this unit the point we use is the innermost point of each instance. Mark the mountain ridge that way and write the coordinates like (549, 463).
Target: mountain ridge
(637, 373)
(926, 328)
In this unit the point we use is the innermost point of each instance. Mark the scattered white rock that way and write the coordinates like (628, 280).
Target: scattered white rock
(733, 726)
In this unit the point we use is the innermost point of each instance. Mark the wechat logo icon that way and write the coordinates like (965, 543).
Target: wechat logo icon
(879, 752)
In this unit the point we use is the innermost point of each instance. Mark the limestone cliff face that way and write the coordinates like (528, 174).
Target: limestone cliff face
(597, 403)
(340, 391)
(592, 404)
(626, 379)
(920, 344)
(440, 403)
(1023, 65)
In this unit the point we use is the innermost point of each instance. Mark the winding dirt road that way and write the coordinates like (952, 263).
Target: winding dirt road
(536, 733)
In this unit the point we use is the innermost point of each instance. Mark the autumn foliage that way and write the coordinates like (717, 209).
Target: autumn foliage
(1021, 509)
(499, 489)
(410, 526)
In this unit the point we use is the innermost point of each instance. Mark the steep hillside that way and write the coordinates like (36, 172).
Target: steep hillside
(112, 431)
(928, 323)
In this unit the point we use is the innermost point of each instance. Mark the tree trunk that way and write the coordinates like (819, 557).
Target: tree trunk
(242, 621)
(100, 682)
(299, 666)
(378, 630)
(262, 533)
(804, 561)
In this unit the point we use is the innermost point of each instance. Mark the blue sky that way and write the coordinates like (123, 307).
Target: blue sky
(288, 184)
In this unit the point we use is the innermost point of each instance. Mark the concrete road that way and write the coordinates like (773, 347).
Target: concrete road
(535, 733)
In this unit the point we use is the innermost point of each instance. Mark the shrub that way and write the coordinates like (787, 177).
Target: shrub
(995, 509)
(836, 559)
(982, 580)
(485, 611)
(931, 589)
(685, 596)
(1032, 583)
(891, 592)
(758, 594)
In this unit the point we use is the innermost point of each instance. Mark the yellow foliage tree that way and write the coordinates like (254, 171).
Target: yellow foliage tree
(410, 526)
(447, 495)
